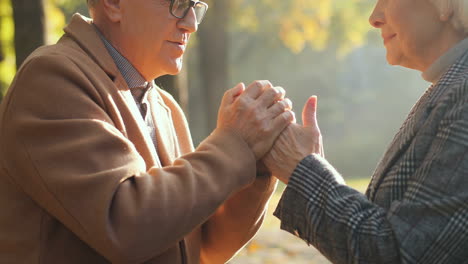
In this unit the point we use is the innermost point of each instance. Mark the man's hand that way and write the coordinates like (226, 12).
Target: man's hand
(257, 113)
(295, 143)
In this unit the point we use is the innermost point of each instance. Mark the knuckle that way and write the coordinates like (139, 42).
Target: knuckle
(242, 101)
(265, 84)
(258, 120)
(251, 107)
(263, 128)
(275, 93)
(316, 134)
(288, 103)
(258, 83)
(292, 118)
(285, 104)
(270, 92)
(281, 90)
(286, 115)
(279, 107)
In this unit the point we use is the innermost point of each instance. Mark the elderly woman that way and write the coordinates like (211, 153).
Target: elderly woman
(416, 207)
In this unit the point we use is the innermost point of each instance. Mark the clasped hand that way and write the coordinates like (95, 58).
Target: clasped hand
(262, 116)
(295, 143)
(258, 113)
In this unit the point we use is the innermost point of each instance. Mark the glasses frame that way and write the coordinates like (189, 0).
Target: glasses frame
(192, 4)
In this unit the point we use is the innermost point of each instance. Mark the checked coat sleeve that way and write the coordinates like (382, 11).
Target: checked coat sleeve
(416, 211)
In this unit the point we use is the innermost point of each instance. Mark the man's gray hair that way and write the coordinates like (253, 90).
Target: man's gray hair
(459, 18)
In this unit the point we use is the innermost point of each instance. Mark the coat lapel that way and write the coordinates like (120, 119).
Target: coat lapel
(165, 134)
(400, 142)
(138, 133)
(167, 146)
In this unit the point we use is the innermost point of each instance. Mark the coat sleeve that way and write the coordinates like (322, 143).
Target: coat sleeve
(63, 150)
(238, 219)
(429, 224)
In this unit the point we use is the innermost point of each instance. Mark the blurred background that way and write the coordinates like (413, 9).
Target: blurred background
(310, 47)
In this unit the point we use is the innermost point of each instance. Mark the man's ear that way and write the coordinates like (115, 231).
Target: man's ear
(112, 10)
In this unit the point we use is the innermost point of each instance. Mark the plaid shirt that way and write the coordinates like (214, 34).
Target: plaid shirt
(416, 207)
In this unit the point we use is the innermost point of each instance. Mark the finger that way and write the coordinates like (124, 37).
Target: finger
(271, 95)
(231, 94)
(294, 117)
(309, 113)
(279, 107)
(282, 121)
(255, 89)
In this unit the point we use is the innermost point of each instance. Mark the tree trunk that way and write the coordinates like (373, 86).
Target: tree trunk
(213, 58)
(29, 19)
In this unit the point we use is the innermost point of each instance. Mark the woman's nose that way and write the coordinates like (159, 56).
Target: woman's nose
(377, 18)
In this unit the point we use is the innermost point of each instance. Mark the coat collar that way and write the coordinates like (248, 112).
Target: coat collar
(82, 32)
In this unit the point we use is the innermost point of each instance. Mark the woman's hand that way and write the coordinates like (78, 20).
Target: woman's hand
(295, 143)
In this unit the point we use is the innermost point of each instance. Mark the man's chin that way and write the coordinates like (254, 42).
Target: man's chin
(175, 67)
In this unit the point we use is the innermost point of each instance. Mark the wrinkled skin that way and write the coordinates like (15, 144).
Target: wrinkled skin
(295, 143)
(258, 113)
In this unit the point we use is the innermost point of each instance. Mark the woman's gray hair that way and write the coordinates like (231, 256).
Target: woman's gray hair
(459, 11)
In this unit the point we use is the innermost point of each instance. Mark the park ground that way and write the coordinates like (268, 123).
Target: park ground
(272, 245)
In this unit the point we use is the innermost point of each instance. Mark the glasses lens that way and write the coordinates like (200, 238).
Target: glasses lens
(200, 11)
(180, 7)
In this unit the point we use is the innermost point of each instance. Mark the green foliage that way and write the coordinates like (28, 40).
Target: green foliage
(70, 7)
(57, 13)
(55, 20)
(7, 66)
(302, 23)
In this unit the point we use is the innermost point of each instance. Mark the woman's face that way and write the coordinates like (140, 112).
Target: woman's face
(411, 31)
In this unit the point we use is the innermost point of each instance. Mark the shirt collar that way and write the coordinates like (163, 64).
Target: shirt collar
(441, 65)
(131, 75)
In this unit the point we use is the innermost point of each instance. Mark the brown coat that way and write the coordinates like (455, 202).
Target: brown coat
(81, 182)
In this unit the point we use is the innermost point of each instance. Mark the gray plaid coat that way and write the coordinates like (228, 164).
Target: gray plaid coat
(416, 207)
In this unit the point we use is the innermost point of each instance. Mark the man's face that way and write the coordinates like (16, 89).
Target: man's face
(151, 38)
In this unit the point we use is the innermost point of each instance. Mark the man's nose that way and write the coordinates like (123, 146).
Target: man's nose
(189, 22)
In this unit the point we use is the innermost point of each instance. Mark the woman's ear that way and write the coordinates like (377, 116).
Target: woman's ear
(446, 10)
(112, 10)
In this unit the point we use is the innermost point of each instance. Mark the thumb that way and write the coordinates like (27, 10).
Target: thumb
(309, 116)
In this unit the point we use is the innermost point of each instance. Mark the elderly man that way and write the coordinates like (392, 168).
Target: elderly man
(97, 164)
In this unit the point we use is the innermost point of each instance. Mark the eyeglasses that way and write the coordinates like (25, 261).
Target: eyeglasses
(180, 8)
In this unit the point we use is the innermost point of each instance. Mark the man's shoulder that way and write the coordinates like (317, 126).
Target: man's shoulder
(65, 51)
(57, 65)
